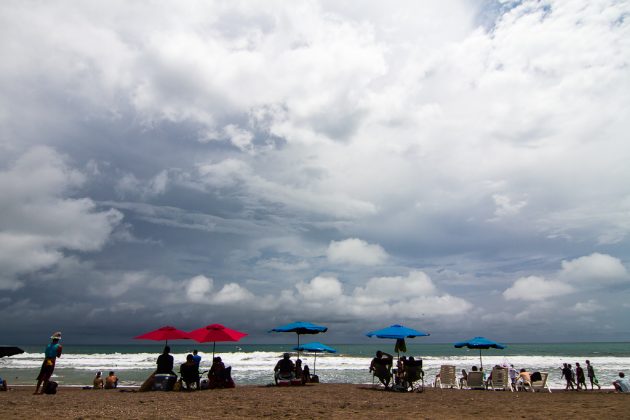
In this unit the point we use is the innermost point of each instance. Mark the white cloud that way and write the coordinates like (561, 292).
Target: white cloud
(320, 289)
(415, 284)
(505, 206)
(534, 288)
(588, 307)
(38, 222)
(355, 251)
(198, 288)
(588, 273)
(595, 269)
(232, 293)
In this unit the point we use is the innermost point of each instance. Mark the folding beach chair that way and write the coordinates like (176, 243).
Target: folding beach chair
(542, 384)
(475, 380)
(447, 378)
(500, 379)
(414, 376)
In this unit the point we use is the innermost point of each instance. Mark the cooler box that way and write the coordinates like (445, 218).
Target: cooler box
(284, 382)
(296, 381)
(164, 382)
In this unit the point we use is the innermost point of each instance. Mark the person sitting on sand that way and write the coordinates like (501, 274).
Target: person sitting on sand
(111, 382)
(306, 374)
(622, 384)
(189, 372)
(284, 369)
(298, 369)
(98, 381)
(381, 367)
(165, 362)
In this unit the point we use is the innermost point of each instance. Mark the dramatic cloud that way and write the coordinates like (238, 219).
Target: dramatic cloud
(459, 165)
(38, 223)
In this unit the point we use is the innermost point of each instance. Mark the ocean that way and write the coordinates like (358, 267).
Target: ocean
(253, 364)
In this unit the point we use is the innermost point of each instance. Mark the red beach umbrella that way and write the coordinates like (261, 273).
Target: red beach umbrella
(165, 333)
(214, 333)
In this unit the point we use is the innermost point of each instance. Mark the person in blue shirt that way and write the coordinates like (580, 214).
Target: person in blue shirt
(52, 352)
(197, 360)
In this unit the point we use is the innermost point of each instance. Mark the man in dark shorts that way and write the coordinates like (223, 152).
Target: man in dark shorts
(53, 350)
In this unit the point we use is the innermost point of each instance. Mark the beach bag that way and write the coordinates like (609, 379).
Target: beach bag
(50, 388)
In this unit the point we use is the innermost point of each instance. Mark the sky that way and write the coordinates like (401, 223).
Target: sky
(459, 167)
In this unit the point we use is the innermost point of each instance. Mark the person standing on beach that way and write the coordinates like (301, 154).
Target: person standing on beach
(566, 374)
(53, 350)
(590, 372)
(197, 360)
(581, 378)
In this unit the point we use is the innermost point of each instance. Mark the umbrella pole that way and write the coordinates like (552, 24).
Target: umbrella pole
(480, 361)
(214, 343)
(315, 364)
(298, 356)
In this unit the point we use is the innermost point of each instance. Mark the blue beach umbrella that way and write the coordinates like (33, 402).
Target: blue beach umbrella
(315, 347)
(397, 332)
(480, 343)
(300, 327)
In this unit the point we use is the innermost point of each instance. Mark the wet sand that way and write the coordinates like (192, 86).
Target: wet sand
(312, 401)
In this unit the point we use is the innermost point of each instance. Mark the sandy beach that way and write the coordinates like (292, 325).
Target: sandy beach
(312, 401)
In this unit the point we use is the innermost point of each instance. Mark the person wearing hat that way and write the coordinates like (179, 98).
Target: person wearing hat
(285, 369)
(53, 350)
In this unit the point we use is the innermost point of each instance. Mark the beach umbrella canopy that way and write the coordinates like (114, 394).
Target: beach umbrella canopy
(214, 333)
(300, 327)
(480, 343)
(165, 333)
(398, 333)
(315, 347)
(10, 351)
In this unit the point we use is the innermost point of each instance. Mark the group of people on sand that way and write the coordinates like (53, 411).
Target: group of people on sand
(408, 370)
(190, 379)
(576, 378)
(110, 381)
(286, 370)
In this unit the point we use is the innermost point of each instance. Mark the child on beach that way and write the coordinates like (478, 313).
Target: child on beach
(590, 372)
(98, 381)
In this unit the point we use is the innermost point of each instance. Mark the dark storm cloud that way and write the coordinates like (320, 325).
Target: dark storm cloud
(458, 167)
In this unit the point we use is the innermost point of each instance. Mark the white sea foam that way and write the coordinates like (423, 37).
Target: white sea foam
(255, 367)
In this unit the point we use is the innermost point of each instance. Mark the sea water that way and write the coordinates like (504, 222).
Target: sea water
(253, 364)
